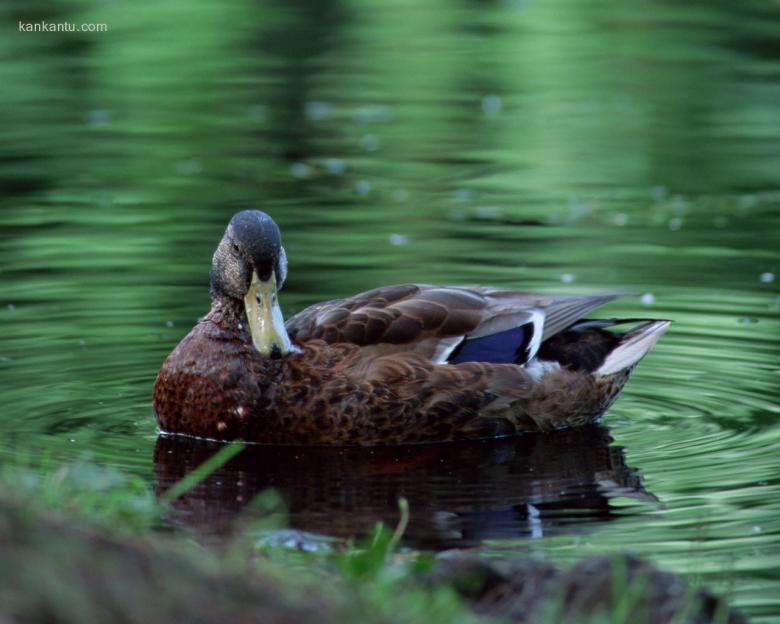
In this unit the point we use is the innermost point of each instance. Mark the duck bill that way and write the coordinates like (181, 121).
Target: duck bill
(266, 323)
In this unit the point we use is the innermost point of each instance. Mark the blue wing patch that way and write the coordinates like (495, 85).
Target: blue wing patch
(505, 347)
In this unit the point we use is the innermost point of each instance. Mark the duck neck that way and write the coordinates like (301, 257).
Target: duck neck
(229, 314)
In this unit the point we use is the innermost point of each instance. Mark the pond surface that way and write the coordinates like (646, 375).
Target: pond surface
(563, 147)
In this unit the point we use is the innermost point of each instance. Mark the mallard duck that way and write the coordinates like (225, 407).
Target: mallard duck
(402, 364)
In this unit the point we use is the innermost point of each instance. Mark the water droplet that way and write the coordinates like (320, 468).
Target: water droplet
(464, 194)
(400, 195)
(71, 440)
(169, 324)
(317, 111)
(517, 5)
(369, 143)
(398, 239)
(98, 118)
(675, 223)
(336, 166)
(747, 201)
(567, 278)
(362, 187)
(491, 104)
(188, 166)
(486, 212)
(648, 299)
(577, 209)
(300, 170)
(82, 343)
(11, 307)
(659, 192)
(373, 114)
(755, 528)
(620, 219)
(257, 113)
(767, 277)
(679, 204)
(747, 321)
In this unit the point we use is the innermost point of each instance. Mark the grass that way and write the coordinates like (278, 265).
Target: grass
(105, 497)
(361, 579)
(372, 580)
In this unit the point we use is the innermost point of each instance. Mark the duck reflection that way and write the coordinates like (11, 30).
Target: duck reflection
(459, 494)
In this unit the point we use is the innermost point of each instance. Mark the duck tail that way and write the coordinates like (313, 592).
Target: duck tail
(633, 346)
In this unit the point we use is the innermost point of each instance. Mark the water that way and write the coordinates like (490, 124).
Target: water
(563, 147)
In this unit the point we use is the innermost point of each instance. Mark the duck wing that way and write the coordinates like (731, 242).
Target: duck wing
(444, 323)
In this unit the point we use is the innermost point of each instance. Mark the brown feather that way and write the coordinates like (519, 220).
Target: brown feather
(408, 313)
(215, 385)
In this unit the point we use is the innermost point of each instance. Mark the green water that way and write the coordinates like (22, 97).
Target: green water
(562, 146)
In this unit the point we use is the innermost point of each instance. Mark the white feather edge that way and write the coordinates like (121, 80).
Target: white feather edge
(537, 369)
(537, 318)
(445, 347)
(634, 349)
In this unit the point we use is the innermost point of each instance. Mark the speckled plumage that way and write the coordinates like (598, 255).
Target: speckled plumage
(372, 370)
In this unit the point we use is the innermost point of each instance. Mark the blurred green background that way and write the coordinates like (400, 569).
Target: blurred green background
(557, 146)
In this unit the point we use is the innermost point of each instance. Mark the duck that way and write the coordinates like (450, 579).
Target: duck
(397, 365)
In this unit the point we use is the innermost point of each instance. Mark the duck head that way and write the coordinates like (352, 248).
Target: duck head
(250, 265)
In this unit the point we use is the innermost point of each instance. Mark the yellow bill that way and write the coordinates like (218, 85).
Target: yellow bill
(266, 323)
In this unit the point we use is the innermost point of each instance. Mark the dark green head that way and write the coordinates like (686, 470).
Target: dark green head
(250, 265)
(252, 242)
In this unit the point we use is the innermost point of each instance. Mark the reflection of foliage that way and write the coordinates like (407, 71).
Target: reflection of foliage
(213, 463)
